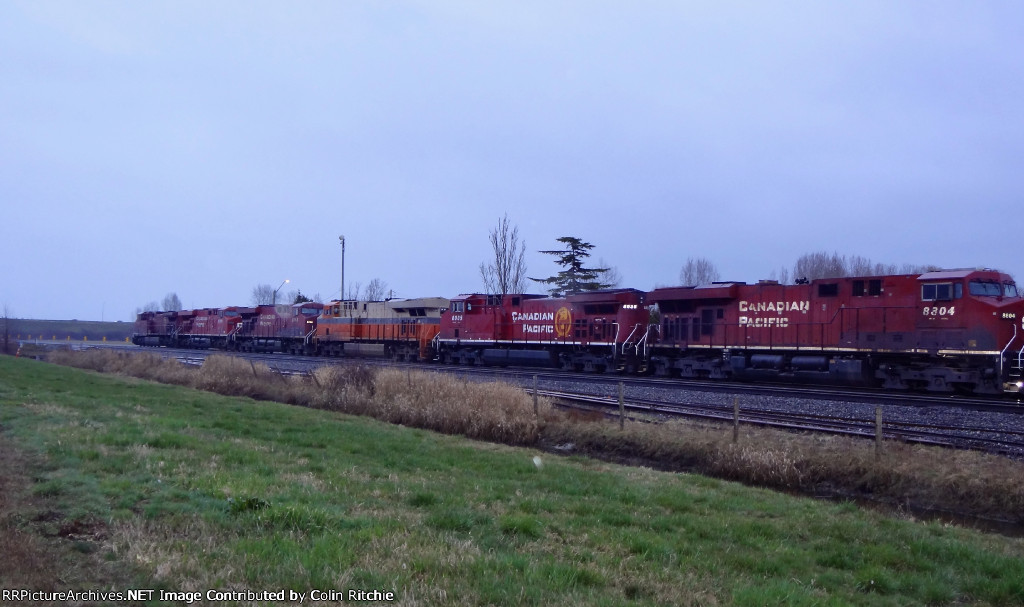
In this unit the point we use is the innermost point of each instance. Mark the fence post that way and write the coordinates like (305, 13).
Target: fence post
(535, 408)
(736, 420)
(878, 431)
(622, 407)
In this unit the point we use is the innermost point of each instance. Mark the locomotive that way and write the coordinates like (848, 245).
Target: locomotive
(957, 330)
(946, 331)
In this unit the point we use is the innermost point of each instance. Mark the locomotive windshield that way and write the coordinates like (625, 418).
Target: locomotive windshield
(986, 288)
(1010, 289)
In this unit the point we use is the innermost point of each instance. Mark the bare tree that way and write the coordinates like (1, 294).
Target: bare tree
(782, 276)
(507, 273)
(262, 295)
(375, 290)
(612, 277)
(698, 271)
(833, 265)
(812, 266)
(354, 288)
(150, 307)
(171, 302)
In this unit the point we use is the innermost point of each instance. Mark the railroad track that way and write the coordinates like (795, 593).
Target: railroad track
(853, 421)
(1002, 441)
(1001, 404)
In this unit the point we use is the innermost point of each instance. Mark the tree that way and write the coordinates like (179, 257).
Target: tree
(8, 326)
(354, 288)
(297, 297)
(782, 276)
(375, 290)
(575, 278)
(262, 295)
(150, 307)
(171, 302)
(698, 271)
(507, 273)
(611, 277)
(813, 266)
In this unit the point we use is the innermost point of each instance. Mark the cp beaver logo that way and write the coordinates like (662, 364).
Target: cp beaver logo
(563, 323)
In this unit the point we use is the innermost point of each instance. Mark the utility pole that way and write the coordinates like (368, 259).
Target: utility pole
(342, 239)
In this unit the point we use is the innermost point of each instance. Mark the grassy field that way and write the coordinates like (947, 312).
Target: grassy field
(120, 483)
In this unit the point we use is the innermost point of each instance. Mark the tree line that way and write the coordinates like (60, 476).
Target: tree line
(504, 272)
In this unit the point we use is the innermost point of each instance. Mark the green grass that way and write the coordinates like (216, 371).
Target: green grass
(199, 491)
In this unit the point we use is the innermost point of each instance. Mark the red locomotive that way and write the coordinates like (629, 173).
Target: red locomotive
(957, 330)
(940, 331)
(594, 331)
(206, 327)
(278, 328)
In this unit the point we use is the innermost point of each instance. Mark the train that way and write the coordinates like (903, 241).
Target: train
(950, 331)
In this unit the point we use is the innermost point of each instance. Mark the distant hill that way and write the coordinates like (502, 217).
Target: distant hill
(73, 330)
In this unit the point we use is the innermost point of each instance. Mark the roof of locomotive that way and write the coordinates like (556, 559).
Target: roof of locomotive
(418, 302)
(964, 273)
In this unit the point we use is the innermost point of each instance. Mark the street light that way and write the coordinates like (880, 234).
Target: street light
(286, 281)
(342, 239)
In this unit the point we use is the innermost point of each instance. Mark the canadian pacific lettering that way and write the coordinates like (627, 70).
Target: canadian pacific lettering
(764, 308)
(534, 317)
(775, 306)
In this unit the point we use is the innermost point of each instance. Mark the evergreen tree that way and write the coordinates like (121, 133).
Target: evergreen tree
(575, 278)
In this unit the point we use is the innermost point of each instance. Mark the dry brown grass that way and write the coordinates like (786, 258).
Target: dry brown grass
(926, 477)
(933, 478)
(491, 411)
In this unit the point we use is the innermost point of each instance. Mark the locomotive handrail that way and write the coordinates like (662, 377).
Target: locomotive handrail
(1002, 353)
(627, 341)
(643, 341)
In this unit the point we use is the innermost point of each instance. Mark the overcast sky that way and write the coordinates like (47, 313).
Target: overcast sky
(204, 147)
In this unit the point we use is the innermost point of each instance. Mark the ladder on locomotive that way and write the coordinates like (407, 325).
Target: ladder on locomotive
(1015, 372)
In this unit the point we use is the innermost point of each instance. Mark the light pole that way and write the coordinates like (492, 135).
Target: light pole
(342, 239)
(286, 281)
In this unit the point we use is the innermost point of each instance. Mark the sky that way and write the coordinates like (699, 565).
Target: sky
(204, 148)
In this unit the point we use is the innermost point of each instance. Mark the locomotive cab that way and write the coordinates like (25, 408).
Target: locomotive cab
(976, 313)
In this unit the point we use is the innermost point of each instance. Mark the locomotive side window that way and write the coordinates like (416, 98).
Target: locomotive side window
(874, 288)
(707, 319)
(1010, 289)
(830, 289)
(942, 291)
